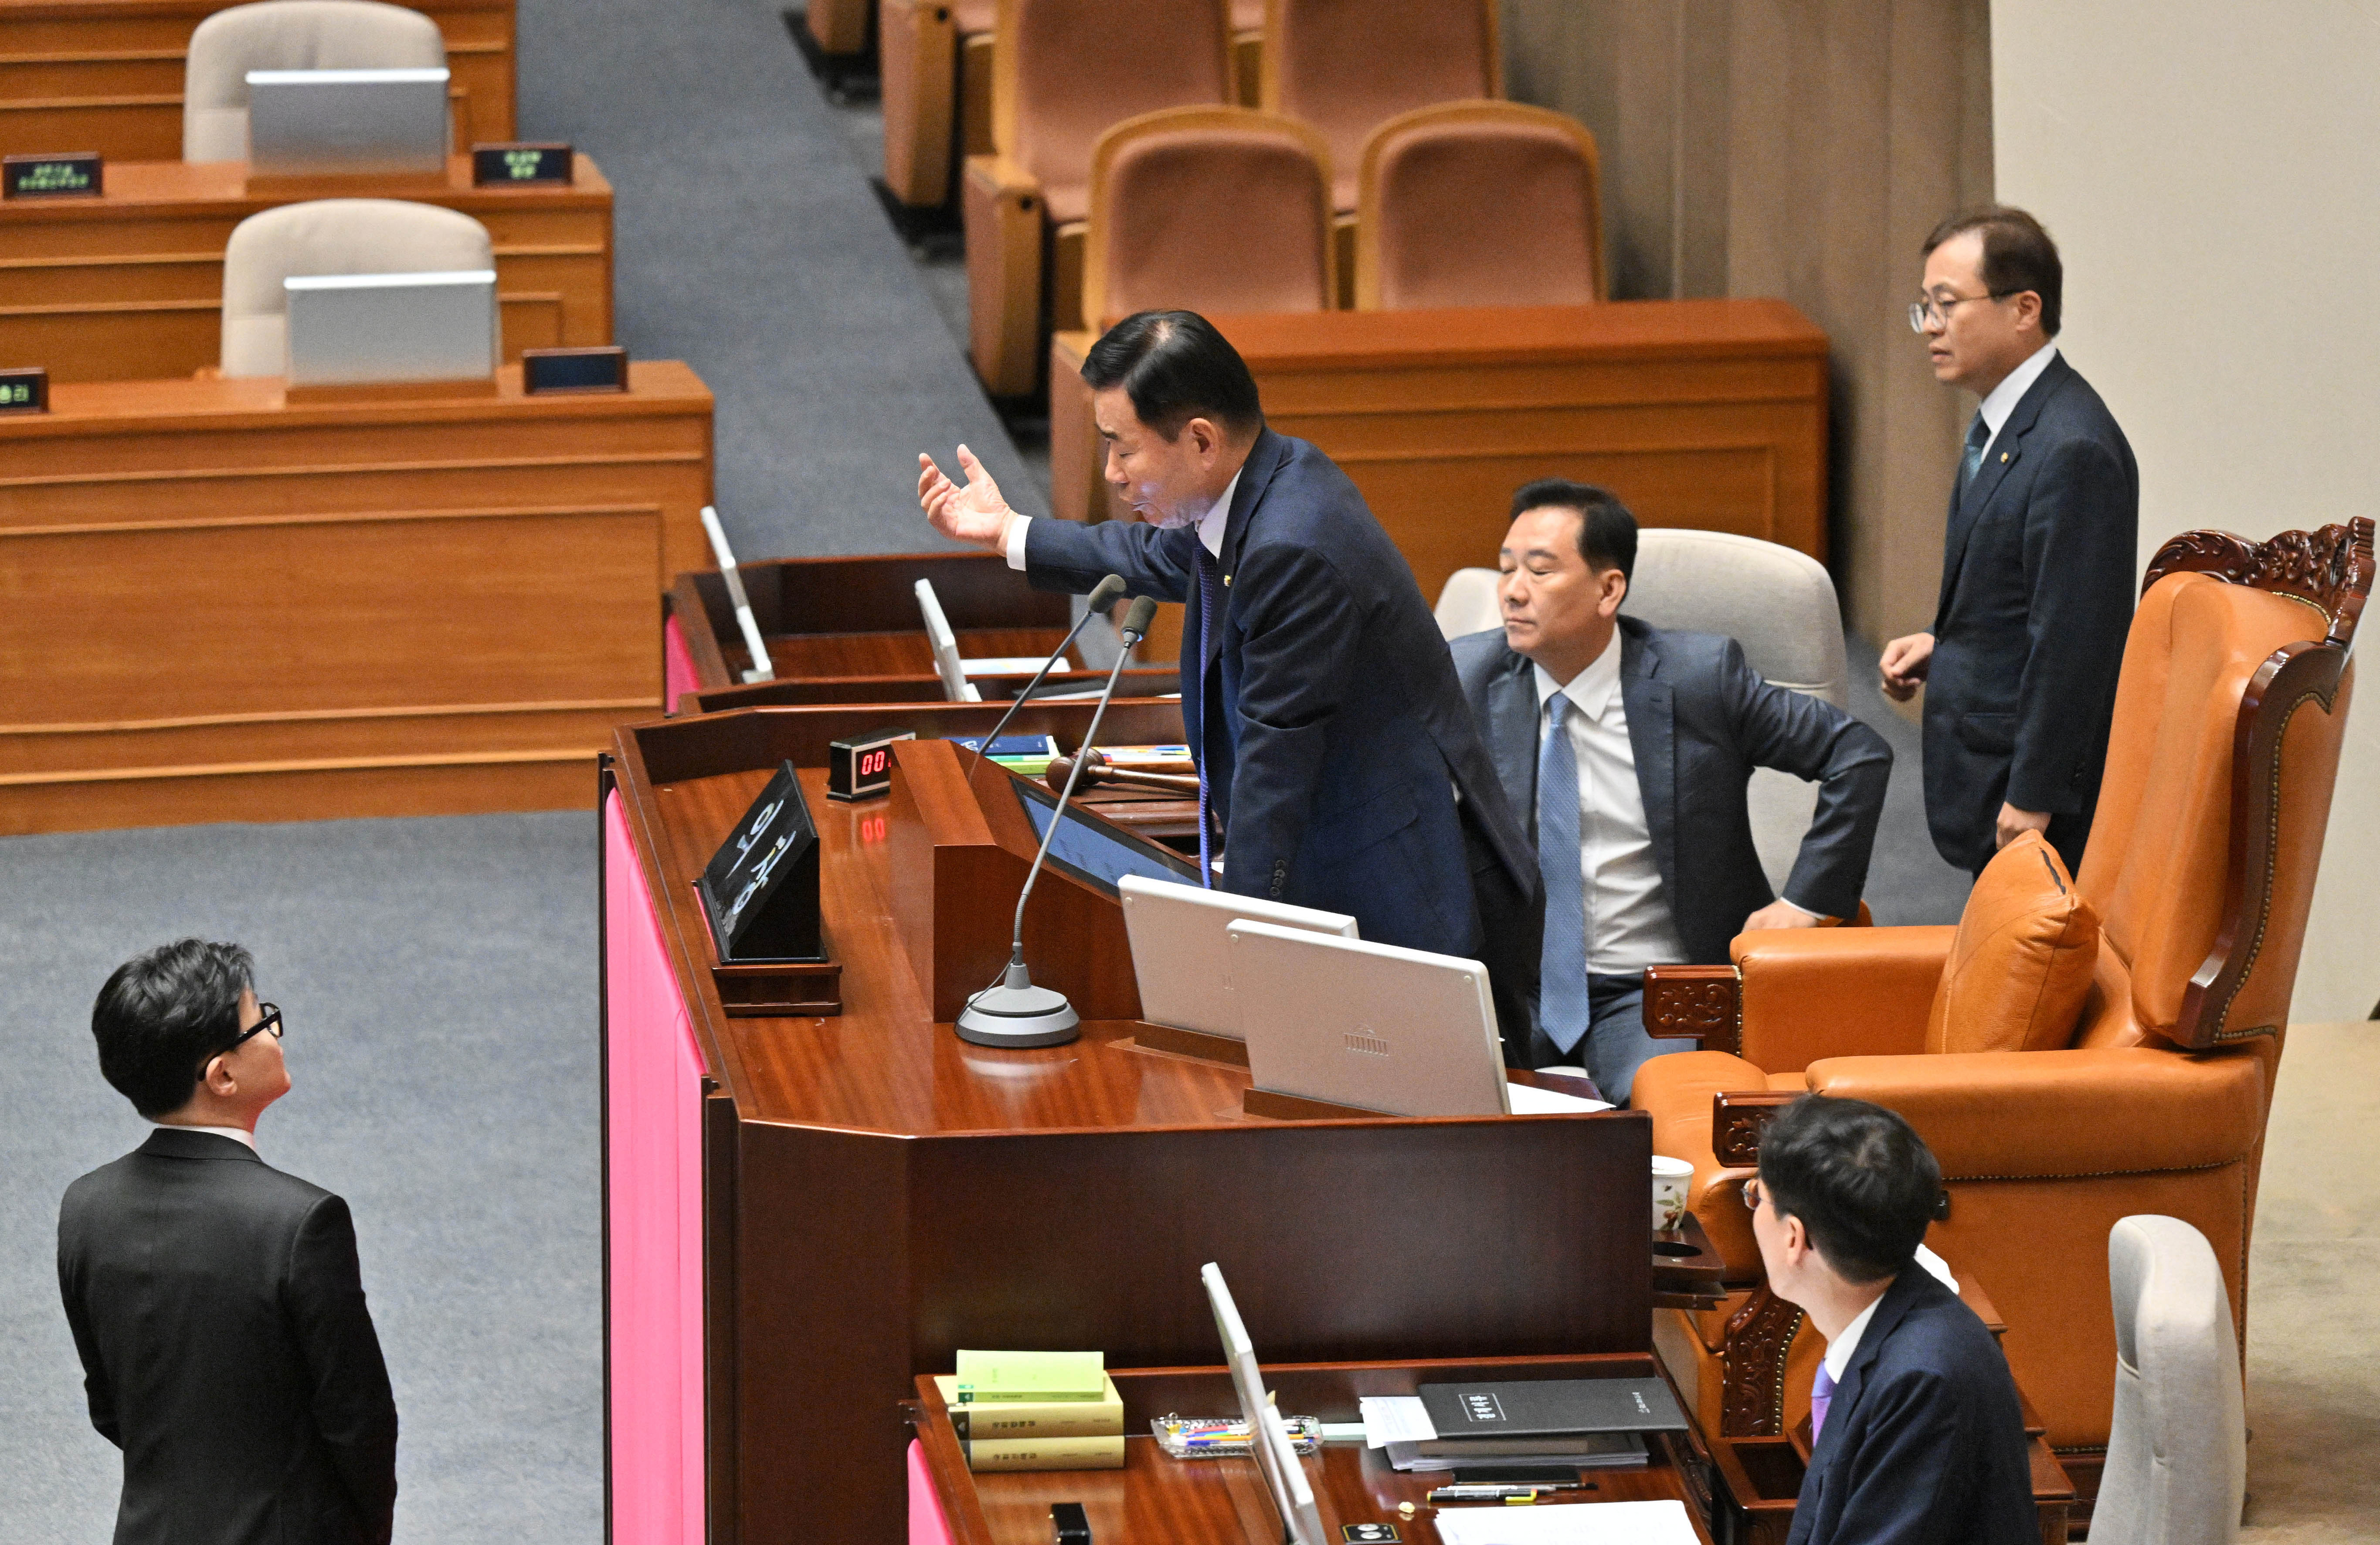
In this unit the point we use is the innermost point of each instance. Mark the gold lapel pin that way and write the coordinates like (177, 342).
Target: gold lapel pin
(2003, 456)
(1227, 582)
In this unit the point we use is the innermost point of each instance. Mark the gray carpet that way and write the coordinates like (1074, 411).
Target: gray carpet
(438, 979)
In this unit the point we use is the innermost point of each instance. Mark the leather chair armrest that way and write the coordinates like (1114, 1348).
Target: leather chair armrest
(1001, 205)
(1837, 992)
(918, 62)
(2128, 1110)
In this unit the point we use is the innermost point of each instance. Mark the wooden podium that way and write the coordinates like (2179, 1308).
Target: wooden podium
(866, 1194)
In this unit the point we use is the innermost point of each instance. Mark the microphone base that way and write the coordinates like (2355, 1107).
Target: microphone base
(1018, 1014)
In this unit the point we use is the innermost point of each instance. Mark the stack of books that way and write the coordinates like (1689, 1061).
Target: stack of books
(1034, 1411)
(1589, 1423)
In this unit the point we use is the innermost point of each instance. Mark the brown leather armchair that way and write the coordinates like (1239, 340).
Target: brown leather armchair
(1479, 203)
(1347, 67)
(1063, 73)
(2200, 871)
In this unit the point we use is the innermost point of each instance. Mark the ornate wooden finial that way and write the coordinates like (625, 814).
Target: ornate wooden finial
(2331, 568)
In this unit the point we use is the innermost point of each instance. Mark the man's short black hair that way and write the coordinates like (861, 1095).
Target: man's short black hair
(2018, 256)
(1175, 367)
(1861, 1181)
(1607, 533)
(163, 1013)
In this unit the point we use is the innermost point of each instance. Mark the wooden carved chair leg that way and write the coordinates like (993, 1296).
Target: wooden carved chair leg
(1752, 1365)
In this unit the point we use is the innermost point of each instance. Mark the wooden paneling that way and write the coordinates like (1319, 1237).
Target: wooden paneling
(129, 284)
(217, 607)
(107, 75)
(1703, 413)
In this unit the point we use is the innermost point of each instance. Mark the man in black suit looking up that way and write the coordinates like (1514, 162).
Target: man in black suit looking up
(216, 1303)
(1916, 1437)
(2039, 564)
(1645, 845)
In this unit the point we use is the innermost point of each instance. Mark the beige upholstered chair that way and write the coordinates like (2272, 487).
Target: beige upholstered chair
(2177, 1448)
(1347, 67)
(290, 34)
(329, 236)
(1777, 602)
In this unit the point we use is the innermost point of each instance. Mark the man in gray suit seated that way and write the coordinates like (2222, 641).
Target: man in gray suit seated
(1648, 857)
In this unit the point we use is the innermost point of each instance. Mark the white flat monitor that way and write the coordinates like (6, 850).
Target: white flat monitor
(1180, 957)
(947, 664)
(352, 329)
(346, 122)
(1401, 1032)
(1292, 1495)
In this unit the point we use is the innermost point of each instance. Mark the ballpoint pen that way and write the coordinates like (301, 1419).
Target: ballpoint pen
(1482, 1493)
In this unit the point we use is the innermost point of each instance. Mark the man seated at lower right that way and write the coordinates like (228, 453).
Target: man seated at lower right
(1916, 1434)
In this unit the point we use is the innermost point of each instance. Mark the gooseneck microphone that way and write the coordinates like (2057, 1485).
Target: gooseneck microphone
(1103, 595)
(1013, 1012)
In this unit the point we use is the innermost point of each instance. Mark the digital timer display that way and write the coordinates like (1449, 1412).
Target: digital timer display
(861, 767)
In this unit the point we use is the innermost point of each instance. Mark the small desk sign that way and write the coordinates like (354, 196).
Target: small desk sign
(25, 390)
(509, 165)
(599, 368)
(760, 890)
(72, 175)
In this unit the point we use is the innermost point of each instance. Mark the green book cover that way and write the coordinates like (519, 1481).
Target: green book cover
(1102, 1418)
(984, 1376)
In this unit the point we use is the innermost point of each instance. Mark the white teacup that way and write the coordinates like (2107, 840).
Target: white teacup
(1671, 1179)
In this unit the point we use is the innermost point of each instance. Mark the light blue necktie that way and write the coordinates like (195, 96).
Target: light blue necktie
(1561, 986)
(1979, 434)
(1822, 1394)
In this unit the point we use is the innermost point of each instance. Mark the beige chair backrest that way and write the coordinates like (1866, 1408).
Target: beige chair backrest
(290, 34)
(1347, 67)
(1778, 603)
(1207, 209)
(329, 236)
(2177, 1446)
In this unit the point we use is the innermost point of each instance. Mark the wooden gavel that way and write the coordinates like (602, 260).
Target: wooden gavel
(1097, 769)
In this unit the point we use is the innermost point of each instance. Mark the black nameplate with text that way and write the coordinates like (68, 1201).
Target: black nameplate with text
(517, 165)
(760, 890)
(25, 390)
(72, 175)
(597, 368)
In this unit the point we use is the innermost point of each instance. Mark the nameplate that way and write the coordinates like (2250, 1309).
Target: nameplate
(25, 390)
(760, 890)
(517, 165)
(51, 177)
(599, 368)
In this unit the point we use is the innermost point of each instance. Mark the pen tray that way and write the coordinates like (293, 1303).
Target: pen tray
(1226, 1437)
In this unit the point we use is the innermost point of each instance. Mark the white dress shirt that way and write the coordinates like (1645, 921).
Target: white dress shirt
(237, 1134)
(1629, 925)
(2008, 393)
(1210, 525)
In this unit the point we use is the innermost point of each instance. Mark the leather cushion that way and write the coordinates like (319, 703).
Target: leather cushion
(2021, 962)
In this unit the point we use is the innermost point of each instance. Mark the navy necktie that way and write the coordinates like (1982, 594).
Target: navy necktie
(1209, 583)
(1561, 986)
(1979, 434)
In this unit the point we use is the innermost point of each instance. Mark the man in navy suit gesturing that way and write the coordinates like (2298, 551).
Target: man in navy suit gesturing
(1916, 1436)
(1337, 764)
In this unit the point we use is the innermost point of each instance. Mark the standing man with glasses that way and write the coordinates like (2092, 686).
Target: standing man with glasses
(2039, 562)
(216, 1302)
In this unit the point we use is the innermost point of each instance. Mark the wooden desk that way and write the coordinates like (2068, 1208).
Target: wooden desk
(865, 1193)
(1222, 1501)
(129, 284)
(220, 607)
(107, 75)
(1700, 413)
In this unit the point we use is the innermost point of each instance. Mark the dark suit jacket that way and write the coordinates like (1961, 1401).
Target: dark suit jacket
(1330, 729)
(2039, 572)
(1924, 1440)
(226, 1349)
(1699, 720)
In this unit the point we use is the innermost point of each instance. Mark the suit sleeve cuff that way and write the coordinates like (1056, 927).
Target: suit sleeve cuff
(1016, 541)
(1804, 910)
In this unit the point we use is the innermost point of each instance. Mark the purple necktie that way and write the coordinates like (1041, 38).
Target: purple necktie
(1209, 572)
(1822, 1394)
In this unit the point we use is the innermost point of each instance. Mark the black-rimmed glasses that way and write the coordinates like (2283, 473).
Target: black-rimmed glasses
(270, 1019)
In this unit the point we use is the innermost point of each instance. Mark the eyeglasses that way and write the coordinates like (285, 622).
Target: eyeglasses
(1752, 1195)
(270, 1020)
(1929, 311)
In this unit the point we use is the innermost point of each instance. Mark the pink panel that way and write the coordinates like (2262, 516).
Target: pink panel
(677, 666)
(926, 1523)
(653, 1129)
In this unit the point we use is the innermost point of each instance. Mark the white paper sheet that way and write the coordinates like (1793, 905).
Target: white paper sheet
(1395, 1418)
(1528, 1099)
(1663, 1523)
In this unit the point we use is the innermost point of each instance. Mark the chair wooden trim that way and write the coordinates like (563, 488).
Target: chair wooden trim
(1172, 120)
(1367, 192)
(1268, 72)
(2331, 570)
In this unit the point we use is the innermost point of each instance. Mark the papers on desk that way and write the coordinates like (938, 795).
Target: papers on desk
(1661, 1523)
(1395, 1418)
(1528, 1099)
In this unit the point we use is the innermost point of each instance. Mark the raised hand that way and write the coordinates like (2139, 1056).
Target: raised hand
(972, 512)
